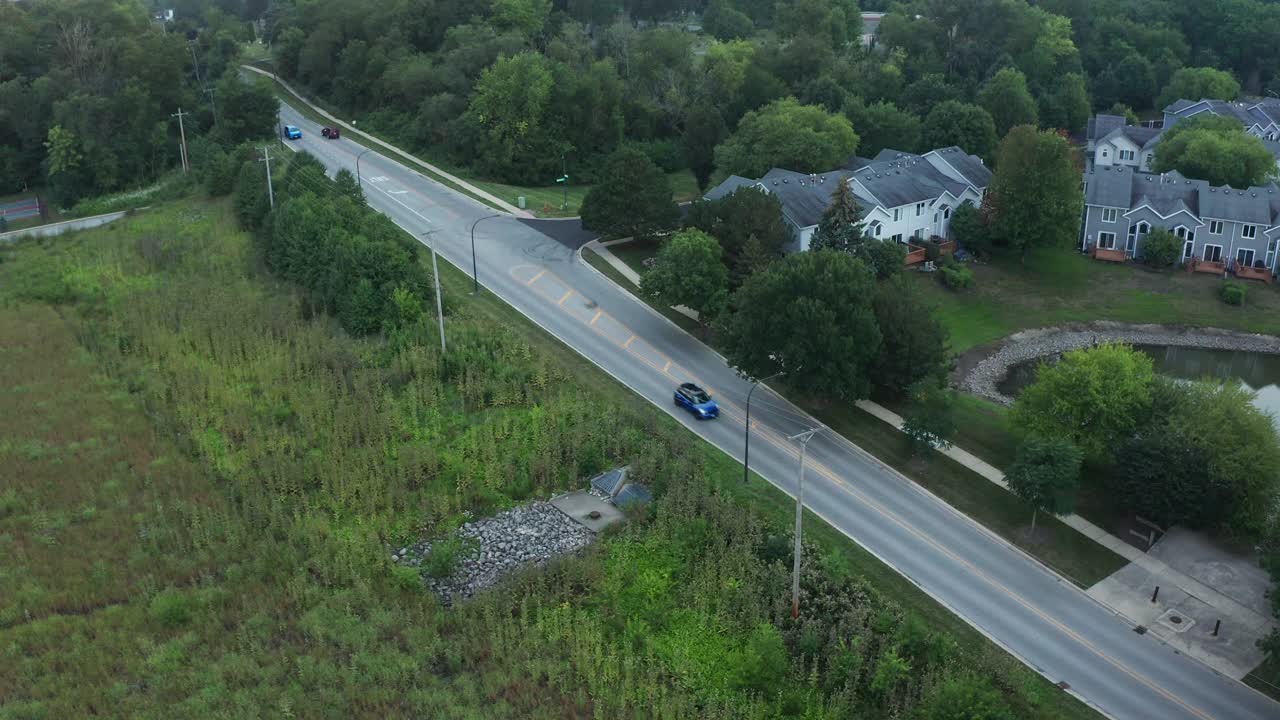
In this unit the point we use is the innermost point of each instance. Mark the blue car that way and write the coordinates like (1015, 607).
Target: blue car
(697, 401)
(292, 132)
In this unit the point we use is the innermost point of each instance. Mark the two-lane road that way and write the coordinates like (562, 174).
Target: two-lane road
(1035, 614)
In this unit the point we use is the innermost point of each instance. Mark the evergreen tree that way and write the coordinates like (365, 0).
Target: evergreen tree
(841, 225)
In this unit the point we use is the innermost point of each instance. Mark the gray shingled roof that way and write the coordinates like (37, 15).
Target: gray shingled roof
(1140, 135)
(1179, 105)
(805, 197)
(1103, 125)
(889, 155)
(1121, 187)
(1270, 107)
(731, 184)
(970, 167)
(902, 182)
(1240, 111)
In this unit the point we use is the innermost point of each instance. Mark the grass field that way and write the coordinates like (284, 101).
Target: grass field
(209, 472)
(1058, 286)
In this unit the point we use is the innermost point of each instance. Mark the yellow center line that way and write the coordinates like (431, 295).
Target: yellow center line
(773, 438)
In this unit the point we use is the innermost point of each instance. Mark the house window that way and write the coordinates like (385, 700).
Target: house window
(1110, 215)
(1215, 227)
(919, 233)
(946, 213)
(876, 229)
(919, 209)
(1213, 253)
(1146, 161)
(1271, 252)
(1188, 248)
(897, 214)
(1244, 257)
(935, 217)
(897, 237)
(1126, 154)
(1249, 232)
(1182, 232)
(1107, 240)
(1104, 153)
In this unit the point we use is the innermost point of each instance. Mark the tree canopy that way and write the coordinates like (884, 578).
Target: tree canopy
(1094, 398)
(1199, 83)
(1046, 473)
(633, 198)
(809, 315)
(966, 126)
(1215, 149)
(688, 270)
(1008, 100)
(786, 134)
(1035, 191)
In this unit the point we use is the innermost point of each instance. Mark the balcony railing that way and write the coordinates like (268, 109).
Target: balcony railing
(1245, 272)
(1109, 255)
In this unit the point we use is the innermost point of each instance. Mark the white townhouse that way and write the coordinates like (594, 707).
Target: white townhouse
(903, 196)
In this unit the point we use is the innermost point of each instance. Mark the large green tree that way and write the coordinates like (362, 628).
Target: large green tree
(883, 125)
(913, 341)
(1199, 83)
(1216, 150)
(689, 271)
(810, 316)
(511, 108)
(1208, 458)
(1036, 191)
(1046, 473)
(966, 126)
(1094, 397)
(632, 199)
(1008, 100)
(789, 135)
(246, 110)
(749, 225)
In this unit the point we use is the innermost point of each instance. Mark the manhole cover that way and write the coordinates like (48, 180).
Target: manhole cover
(1176, 621)
(594, 515)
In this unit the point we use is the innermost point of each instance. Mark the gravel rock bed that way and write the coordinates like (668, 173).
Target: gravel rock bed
(1020, 347)
(528, 535)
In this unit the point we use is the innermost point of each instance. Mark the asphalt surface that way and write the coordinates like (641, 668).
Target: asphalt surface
(1036, 615)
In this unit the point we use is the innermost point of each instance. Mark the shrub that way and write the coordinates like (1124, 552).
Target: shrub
(1232, 292)
(1160, 248)
(956, 276)
(171, 608)
(445, 555)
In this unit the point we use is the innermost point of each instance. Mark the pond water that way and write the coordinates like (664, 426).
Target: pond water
(1259, 371)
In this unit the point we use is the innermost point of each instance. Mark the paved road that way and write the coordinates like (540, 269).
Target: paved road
(1039, 617)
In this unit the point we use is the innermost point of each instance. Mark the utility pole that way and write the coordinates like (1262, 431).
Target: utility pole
(213, 107)
(191, 44)
(804, 439)
(359, 182)
(266, 158)
(435, 271)
(183, 132)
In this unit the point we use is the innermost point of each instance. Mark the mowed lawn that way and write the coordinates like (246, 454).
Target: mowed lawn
(553, 201)
(1060, 286)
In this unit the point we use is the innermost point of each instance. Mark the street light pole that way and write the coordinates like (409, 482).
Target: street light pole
(359, 184)
(435, 271)
(746, 445)
(804, 439)
(475, 274)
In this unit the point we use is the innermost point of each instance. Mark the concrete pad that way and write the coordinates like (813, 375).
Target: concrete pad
(1182, 620)
(1237, 576)
(581, 505)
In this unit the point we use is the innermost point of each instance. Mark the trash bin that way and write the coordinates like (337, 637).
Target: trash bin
(520, 202)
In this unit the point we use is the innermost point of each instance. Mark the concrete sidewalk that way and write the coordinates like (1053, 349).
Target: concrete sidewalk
(1225, 652)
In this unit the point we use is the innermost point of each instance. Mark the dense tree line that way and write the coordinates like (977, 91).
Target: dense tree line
(87, 90)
